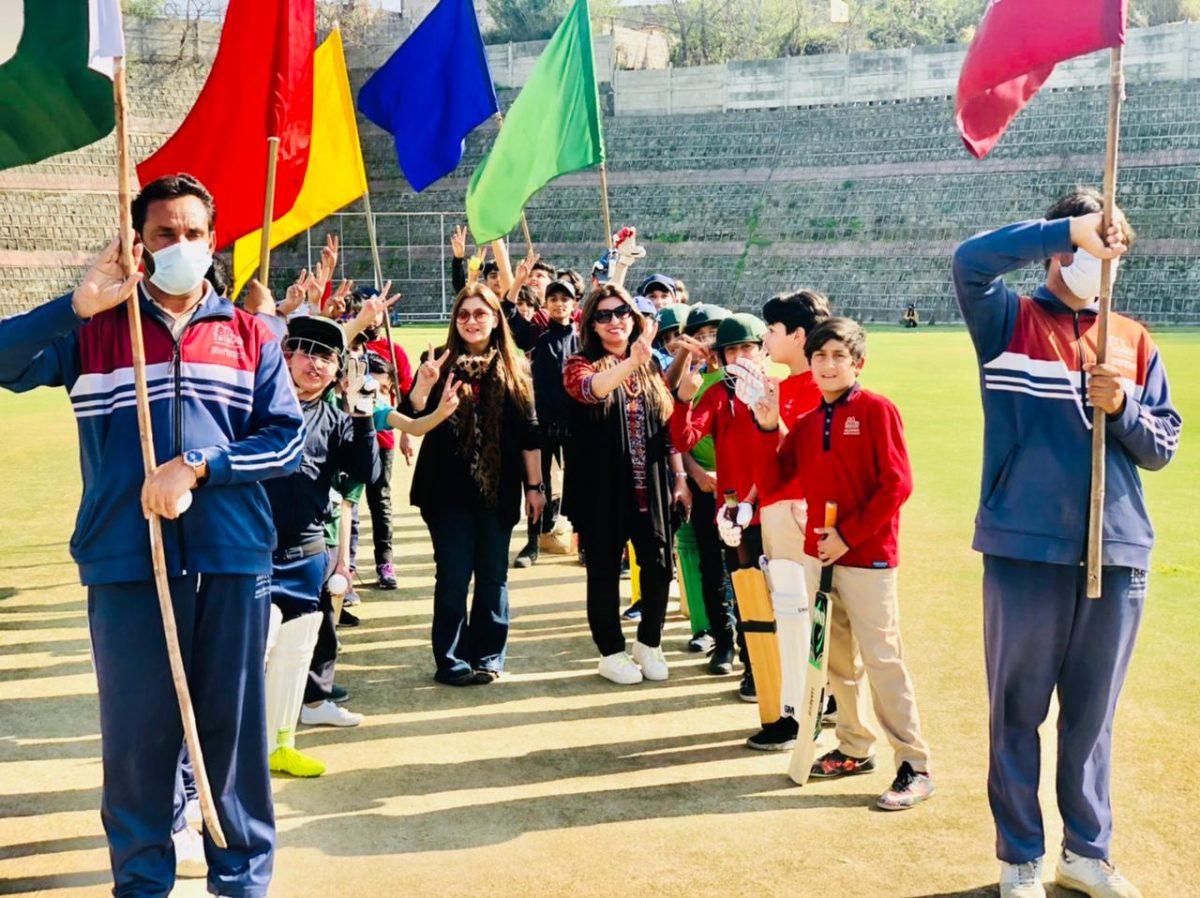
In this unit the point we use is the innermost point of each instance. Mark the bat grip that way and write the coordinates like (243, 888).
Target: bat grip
(830, 514)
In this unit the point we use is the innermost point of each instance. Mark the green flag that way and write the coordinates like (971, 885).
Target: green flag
(552, 128)
(56, 81)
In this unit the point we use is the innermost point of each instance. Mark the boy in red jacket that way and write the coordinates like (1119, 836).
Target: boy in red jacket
(853, 453)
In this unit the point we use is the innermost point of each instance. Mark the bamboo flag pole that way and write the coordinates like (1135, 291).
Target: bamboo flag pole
(264, 252)
(158, 560)
(387, 315)
(524, 221)
(608, 231)
(1095, 548)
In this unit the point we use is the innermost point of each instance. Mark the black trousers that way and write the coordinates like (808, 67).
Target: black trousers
(604, 547)
(552, 450)
(379, 500)
(319, 687)
(718, 601)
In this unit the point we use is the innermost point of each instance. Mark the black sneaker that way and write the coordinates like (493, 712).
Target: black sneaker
(347, 619)
(701, 642)
(834, 764)
(746, 691)
(910, 787)
(456, 677)
(634, 611)
(528, 556)
(721, 662)
(829, 715)
(338, 694)
(777, 736)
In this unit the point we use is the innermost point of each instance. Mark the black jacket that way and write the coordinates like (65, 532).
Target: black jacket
(335, 443)
(550, 355)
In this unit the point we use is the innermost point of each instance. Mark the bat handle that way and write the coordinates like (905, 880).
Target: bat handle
(830, 514)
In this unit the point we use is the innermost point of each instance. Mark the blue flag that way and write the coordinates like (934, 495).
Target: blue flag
(433, 91)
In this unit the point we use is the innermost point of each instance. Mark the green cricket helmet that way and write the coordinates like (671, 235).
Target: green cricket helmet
(740, 328)
(672, 318)
(703, 314)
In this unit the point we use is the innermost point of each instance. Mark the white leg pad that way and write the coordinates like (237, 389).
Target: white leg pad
(789, 598)
(287, 672)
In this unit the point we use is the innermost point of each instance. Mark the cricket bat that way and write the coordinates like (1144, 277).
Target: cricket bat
(809, 713)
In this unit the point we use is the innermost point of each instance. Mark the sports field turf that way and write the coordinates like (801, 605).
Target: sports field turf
(552, 782)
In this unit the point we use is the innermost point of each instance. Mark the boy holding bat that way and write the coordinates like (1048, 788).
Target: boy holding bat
(853, 453)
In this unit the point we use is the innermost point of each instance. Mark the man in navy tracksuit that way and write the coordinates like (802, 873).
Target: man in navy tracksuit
(224, 417)
(1040, 382)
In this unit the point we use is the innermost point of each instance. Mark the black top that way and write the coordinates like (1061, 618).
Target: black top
(443, 477)
(550, 356)
(335, 443)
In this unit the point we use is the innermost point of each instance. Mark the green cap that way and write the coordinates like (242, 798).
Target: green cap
(672, 317)
(703, 314)
(740, 328)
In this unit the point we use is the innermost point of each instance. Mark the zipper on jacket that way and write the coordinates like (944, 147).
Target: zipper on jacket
(177, 369)
(1082, 361)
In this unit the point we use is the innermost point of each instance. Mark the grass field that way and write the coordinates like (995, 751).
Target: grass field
(551, 782)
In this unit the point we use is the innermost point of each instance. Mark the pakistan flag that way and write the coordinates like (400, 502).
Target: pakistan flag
(56, 81)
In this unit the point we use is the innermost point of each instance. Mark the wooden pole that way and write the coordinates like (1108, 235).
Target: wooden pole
(524, 221)
(264, 251)
(175, 658)
(1095, 548)
(608, 231)
(387, 315)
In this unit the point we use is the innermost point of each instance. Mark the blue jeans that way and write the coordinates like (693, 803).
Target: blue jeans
(469, 542)
(1042, 635)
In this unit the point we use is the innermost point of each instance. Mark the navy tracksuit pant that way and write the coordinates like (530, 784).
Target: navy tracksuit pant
(222, 624)
(1042, 635)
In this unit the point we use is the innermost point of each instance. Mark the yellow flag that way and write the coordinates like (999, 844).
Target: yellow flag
(335, 176)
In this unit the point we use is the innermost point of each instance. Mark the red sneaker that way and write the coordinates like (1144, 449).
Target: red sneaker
(833, 764)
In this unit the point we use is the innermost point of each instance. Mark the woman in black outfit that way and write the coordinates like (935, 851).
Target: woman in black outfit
(467, 484)
(623, 479)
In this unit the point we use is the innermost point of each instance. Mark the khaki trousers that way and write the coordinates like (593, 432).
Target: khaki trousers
(783, 529)
(864, 621)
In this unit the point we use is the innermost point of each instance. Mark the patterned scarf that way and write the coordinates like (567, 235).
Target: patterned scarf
(477, 422)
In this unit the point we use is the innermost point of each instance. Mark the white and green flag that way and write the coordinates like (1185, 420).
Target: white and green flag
(56, 74)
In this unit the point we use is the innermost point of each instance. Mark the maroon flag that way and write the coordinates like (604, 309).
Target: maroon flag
(1014, 51)
(261, 86)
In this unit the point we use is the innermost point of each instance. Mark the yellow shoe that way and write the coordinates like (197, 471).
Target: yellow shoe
(288, 760)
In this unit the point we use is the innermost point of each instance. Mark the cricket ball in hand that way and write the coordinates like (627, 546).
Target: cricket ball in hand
(184, 503)
(338, 584)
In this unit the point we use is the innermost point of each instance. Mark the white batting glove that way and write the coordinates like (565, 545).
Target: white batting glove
(744, 515)
(730, 533)
(629, 249)
(748, 383)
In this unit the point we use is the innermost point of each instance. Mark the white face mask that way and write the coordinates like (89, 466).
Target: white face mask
(180, 267)
(1082, 276)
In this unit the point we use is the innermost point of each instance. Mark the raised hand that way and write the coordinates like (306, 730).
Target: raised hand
(448, 404)
(642, 350)
(259, 299)
(766, 409)
(525, 268)
(1087, 233)
(105, 285)
(375, 306)
(748, 381)
(458, 241)
(329, 255)
(431, 369)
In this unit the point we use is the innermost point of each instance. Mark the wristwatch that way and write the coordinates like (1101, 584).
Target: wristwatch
(194, 459)
(536, 487)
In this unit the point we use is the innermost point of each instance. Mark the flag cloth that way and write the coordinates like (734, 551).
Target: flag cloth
(260, 86)
(335, 177)
(552, 128)
(56, 76)
(433, 91)
(1015, 50)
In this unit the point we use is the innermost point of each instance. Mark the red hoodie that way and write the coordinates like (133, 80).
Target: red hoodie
(734, 433)
(851, 452)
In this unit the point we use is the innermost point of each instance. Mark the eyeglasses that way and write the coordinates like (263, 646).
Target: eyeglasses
(603, 316)
(465, 315)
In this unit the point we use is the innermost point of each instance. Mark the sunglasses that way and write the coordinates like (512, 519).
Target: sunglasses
(603, 316)
(479, 315)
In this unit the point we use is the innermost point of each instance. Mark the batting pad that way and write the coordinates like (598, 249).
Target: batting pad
(758, 623)
(789, 597)
(287, 672)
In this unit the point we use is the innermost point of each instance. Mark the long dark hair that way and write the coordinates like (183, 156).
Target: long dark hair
(513, 367)
(647, 379)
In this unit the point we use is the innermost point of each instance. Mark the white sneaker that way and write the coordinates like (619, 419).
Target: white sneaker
(192, 813)
(652, 661)
(189, 854)
(327, 714)
(1022, 880)
(619, 668)
(1095, 877)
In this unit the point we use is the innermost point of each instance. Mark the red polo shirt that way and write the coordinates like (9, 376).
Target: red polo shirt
(734, 434)
(798, 395)
(851, 452)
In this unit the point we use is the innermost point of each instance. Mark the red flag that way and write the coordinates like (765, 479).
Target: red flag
(1015, 50)
(261, 85)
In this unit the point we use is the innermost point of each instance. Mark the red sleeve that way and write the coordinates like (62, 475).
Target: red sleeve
(577, 380)
(775, 463)
(404, 370)
(690, 425)
(895, 483)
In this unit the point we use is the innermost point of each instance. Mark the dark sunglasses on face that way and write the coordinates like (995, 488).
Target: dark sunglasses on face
(603, 316)
(464, 315)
